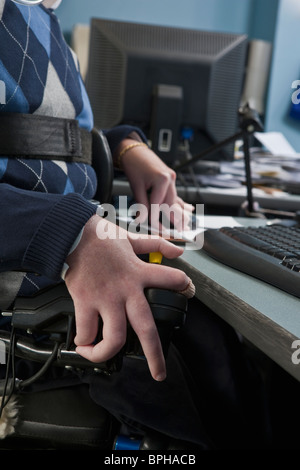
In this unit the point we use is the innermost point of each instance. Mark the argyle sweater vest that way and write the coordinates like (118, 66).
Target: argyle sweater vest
(43, 204)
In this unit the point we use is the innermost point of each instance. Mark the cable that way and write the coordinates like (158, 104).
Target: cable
(25, 383)
(20, 385)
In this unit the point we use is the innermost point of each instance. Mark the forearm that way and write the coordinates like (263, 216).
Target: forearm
(38, 229)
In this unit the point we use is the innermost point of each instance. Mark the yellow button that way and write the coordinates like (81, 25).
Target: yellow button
(155, 257)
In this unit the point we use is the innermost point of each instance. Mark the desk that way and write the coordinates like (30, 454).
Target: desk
(225, 198)
(266, 316)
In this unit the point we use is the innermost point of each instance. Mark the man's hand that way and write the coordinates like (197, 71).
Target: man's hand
(154, 183)
(106, 278)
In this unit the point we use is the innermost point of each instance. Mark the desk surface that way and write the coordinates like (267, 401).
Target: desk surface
(266, 316)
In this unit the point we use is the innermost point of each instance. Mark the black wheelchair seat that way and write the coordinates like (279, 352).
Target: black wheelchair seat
(63, 418)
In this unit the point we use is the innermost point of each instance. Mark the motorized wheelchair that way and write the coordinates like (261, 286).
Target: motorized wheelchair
(42, 330)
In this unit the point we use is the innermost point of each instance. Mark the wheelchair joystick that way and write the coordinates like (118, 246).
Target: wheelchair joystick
(168, 308)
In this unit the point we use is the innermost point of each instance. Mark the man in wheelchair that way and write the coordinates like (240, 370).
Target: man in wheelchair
(57, 259)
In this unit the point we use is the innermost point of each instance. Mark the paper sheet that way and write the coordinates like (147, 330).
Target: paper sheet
(277, 144)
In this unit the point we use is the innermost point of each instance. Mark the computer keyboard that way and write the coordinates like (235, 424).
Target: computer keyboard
(270, 253)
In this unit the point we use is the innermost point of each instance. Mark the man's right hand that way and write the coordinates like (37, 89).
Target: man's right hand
(106, 278)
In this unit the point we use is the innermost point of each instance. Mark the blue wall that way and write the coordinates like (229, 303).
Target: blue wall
(285, 69)
(223, 15)
(277, 21)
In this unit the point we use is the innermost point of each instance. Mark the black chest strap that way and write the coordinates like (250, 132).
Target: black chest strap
(44, 137)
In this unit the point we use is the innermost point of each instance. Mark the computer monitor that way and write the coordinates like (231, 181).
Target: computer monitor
(180, 86)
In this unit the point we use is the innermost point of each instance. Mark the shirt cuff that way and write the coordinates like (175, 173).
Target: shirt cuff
(100, 211)
(55, 236)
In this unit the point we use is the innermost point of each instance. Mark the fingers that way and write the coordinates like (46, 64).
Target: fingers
(114, 333)
(147, 244)
(164, 277)
(159, 275)
(164, 199)
(86, 323)
(113, 337)
(141, 196)
(179, 217)
(141, 319)
(187, 207)
(162, 186)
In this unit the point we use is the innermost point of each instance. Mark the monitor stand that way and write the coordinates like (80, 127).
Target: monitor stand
(166, 118)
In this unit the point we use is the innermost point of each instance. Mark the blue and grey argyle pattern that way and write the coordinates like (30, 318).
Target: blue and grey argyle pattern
(39, 74)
